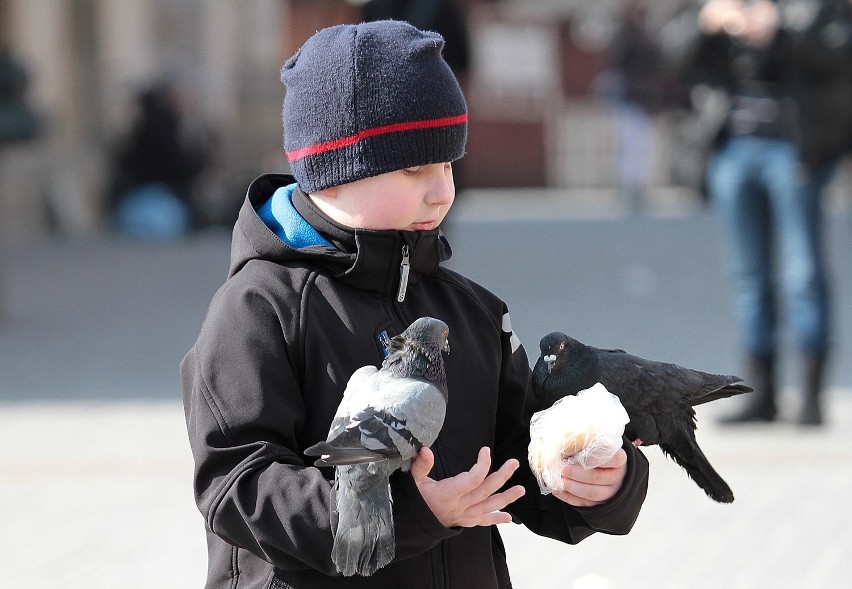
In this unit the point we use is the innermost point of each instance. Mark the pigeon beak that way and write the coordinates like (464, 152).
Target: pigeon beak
(549, 360)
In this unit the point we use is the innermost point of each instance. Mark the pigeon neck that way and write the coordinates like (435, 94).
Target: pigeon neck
(585, 367)
(415, 362)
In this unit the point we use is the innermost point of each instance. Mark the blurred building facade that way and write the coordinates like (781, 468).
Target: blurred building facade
(88, 60)
(535, 116)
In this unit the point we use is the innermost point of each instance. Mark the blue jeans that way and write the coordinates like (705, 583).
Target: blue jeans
(765, 197)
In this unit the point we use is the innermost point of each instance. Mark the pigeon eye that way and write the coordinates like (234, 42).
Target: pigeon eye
(562, 346)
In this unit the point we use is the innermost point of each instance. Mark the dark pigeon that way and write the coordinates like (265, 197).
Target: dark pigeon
(659, 398)
(385, 417)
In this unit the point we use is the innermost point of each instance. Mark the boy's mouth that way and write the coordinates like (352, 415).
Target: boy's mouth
(423, 225)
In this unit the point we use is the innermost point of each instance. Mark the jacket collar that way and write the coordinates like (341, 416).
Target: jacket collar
(366, 259)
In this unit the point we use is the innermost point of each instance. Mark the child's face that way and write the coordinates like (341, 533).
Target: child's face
(412, 199)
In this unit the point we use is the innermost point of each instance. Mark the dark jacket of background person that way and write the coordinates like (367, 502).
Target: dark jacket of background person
(810, 60)
(18, 121)
(442, 16)
(156, 151)
(635, 72)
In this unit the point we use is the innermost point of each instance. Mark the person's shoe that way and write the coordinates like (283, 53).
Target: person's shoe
(760, 405)
(810, 413)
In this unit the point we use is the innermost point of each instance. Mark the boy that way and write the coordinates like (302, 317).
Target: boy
(324, 270)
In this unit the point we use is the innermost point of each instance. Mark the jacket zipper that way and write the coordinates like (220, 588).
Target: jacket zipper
(404, 269)
(440, 566)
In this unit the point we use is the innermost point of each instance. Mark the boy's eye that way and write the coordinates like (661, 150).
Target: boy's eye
(411, 171)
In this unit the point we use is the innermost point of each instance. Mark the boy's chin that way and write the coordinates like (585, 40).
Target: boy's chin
(428, 226)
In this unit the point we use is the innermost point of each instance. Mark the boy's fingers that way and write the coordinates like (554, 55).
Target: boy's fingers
(570, 499)
(473, 478)
(575, 472)
(581, 499)
(494, 518)
(495, 480)
(618, 460)
(603, 475)
(499, 501)
(495, 504)
(422, 465)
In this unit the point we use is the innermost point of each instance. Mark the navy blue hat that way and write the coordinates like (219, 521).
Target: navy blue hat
(371, 98)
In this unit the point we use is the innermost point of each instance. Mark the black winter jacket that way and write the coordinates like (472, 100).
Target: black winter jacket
(809, 63)
(263, 380)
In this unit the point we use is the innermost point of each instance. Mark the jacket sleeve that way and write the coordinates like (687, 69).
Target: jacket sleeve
(244, 411)
(544, 514)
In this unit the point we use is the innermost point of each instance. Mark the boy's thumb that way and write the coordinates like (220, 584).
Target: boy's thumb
(422, 465)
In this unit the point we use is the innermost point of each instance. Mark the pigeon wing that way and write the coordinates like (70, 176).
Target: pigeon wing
(647, 389)
(381, 418)
(418, 407)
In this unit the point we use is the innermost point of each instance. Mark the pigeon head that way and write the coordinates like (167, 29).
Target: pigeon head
(416, 352)
(554, 348)
(429, 331)
(564, 367)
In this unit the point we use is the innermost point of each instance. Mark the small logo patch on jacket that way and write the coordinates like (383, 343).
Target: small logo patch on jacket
(384, 341)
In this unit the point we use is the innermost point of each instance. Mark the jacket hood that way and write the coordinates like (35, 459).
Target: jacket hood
(363, 258)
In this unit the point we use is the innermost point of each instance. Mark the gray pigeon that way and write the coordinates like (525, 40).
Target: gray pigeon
(385, 417)
(659, 398)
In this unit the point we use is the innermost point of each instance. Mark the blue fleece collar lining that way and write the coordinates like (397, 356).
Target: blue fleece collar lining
(282, 218)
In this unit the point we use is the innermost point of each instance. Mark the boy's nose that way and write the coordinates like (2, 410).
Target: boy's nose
(443, 189)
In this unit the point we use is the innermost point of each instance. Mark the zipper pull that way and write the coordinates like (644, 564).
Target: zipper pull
(404, 268)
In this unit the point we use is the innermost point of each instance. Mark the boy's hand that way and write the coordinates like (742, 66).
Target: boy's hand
(587, 488)
(470, 498)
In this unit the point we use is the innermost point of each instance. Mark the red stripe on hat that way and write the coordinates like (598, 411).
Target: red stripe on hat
(318, 148)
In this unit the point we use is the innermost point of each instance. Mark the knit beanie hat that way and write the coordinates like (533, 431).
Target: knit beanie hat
(367, 99)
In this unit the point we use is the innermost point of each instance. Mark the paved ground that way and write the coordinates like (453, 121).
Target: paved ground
(95, 471)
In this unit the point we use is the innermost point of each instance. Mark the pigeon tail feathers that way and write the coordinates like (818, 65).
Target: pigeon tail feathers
(724, 392)
(335, 456)
(684, 450)
(364, 537)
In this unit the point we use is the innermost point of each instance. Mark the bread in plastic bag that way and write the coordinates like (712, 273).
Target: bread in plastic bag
(585, 429)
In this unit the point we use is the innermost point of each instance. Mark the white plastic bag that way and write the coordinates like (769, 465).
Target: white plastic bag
(592, 422)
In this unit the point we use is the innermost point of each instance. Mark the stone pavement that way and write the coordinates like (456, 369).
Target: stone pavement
(98, 495)
(95, 470)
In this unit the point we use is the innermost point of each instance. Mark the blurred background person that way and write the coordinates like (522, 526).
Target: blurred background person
(777, 77)
(156, 168)
(18, 120)
(18, 123)
(635, 80)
